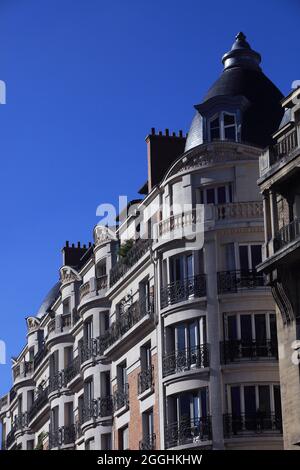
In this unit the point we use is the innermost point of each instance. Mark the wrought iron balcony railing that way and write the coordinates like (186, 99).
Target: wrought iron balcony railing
(72, 370)
(146, 380)
(21, 421)
(287, 234)
(240, 350)
(179, 291)
(126, 320)
(139, 248)
(23, 369)
(10, 438)
(62, 436)
(97, 408)
(285, 146)
(121, 397)
(252, 424)
(185, 359)
(41, 399)
(56, 382)
(148, 442)
(188, 431)
(233, 281)
(39, 357)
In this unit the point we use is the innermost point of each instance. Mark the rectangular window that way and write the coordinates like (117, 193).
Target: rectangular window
(106, 441)
(210, 196)
(145, 353)
(221, 194)
(122, 376)
(123, 438)
(88, 390)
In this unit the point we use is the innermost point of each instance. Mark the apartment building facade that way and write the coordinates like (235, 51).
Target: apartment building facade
(162, 334)
(279, 184)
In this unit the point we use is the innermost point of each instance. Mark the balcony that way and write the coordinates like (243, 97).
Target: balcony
(97, 408)
(243, 351)
(21, 421)
(134, 254)
(235, 281)
(11, 436)
(98, 284)
(72, 370)
(239, 210)
(284, 147)
(121, 398)
(41, 400)
(258, 424)
(142, 308)
(186, 359)
(188, 432)
(148, 442)
(23, 370)
(56, 382)
(146, 380)
(64, 435)
(287, 234)
(60, 324)
(179, 291)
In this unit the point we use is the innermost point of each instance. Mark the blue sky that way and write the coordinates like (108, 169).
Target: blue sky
(86, 80)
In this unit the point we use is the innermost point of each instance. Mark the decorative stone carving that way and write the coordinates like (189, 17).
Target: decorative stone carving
(33, 323)
(68, 274)
(103, 234)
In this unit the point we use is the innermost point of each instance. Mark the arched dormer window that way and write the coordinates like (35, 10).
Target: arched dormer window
(223, 127)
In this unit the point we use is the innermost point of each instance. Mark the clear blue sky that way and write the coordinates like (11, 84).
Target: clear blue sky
(86, 80)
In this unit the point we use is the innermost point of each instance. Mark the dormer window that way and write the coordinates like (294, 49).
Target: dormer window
(223, 127)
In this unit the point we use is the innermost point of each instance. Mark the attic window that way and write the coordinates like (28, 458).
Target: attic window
(223, 127)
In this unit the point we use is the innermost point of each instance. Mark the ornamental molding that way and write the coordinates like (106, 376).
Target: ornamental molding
(68, 275)
(103, 235)
(32, 323)
(234, 230)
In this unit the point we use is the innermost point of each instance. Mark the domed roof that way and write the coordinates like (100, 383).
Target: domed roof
(48, 300)
(242, 76)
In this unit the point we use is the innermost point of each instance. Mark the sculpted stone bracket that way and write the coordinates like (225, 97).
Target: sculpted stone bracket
(68, 274)
(282, 297)
(103, 235)
(32, 323)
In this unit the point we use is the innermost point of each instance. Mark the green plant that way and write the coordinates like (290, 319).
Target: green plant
(125, 247)
(41, 437)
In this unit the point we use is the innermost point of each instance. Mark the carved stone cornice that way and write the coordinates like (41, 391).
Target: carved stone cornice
(68, 275)
(103, 235)
(32, 323)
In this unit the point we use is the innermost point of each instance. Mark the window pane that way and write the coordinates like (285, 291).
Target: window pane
(181, 338)
(260, 328)
(203, 397)
(229, 119)
(273, 328)
(264, 399)
(214, 123)
(210, 196)
(244, 262)
(246, 329)
(230, 257)
(235, 401)
(250, 403)
(221, 195)
(193, 334)
(232, 327)
(277, 402)
(184, 406)
(215, 134)
(255, 255)
(189, 266)
(229, 133)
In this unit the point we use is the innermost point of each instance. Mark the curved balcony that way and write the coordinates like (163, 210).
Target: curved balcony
(97, 408)
(21, 422)
(186, 359)
(57, 382)
(63, 436)
(23, 371)
(148, 442)
(188, 432)
(94, 286)
(179, 291)
(258, 424)
(244, 351)
(59, 325)
(72, 370)
(239, 280)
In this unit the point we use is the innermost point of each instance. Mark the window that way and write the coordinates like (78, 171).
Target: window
(188, 406)
(105, 383)
(101, 268)
(249, 256)
(104, 322)
(248, 327)
(68, 355)
(88, 330)
(146, 356)
(148, 424)
(88, 390)
(221, 194)
(90, 444)
(54, 363)
(66, 306)
(123, 438)
(106, 441)
(223, 127)
(54, 418)
(30, 444)
(69, 416)
(181, 267)
(187, 335)
(122, 376)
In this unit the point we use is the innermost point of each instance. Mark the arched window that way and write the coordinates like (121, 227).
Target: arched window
(223, 127)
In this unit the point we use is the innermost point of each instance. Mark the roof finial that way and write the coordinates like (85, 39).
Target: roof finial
(240, 36)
